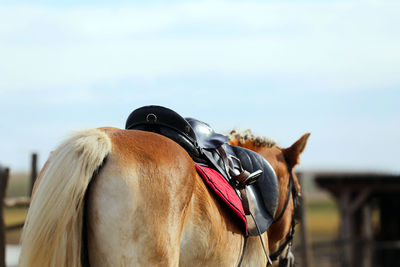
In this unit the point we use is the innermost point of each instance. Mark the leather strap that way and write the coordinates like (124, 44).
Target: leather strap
(288, 242)
(214, 162)
(229, 168)
(246, 239)
(287, 199)
(289, 237)
(269, 262)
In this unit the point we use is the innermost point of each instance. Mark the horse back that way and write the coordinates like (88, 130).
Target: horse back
(137, 204)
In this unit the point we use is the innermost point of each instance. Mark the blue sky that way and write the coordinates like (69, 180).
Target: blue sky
(281, 68)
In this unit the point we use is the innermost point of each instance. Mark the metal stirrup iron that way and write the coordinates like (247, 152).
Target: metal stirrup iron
(236, 171)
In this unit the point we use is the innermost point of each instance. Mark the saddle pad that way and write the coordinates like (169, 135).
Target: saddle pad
(217, 183)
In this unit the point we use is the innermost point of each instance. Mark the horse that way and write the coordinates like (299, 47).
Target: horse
(112, 197)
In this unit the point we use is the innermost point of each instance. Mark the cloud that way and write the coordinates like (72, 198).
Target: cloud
(320, 46)
(287, 67)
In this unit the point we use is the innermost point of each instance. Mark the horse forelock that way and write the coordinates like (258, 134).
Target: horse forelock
(248, 138)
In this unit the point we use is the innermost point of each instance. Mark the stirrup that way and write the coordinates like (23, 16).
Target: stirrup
(241, 176)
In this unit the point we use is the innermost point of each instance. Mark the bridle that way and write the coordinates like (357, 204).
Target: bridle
(288, 260)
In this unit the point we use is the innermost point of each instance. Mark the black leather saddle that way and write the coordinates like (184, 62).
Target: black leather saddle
(205, 146)
(166, 122)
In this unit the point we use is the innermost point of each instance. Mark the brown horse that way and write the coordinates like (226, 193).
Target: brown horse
(111, 197)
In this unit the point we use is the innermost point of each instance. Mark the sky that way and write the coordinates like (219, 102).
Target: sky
(281, 68)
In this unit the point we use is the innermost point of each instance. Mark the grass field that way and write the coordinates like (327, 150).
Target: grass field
(323, 219)
(14, 216)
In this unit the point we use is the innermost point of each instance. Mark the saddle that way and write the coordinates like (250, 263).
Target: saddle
(250, 175)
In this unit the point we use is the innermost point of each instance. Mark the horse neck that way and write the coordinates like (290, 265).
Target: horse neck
(279, 230)
(275, 157)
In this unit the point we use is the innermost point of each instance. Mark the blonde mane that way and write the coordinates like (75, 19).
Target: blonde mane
(247, 137)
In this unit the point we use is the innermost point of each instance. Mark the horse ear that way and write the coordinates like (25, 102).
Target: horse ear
(292, 153)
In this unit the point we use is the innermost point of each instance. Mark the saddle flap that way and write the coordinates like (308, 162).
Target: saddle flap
(263, 195)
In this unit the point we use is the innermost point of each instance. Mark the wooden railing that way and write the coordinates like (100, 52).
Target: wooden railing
(4, 174)
(9, 202)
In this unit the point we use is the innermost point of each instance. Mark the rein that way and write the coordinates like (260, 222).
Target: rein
(291, 188)
(289, 238)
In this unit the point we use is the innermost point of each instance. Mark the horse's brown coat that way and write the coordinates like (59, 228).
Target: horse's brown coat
(207, 232)
(147, 206)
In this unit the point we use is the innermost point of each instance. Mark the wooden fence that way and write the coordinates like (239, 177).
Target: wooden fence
(12, 202)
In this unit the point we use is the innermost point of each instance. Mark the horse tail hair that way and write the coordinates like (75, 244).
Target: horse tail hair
(52, 235)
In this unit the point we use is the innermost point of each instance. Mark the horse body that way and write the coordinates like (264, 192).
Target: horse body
(140, 202)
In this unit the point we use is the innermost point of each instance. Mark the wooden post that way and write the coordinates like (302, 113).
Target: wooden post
(346, 227)
(4, 173)
(357, 242)
(389, 230)
(33, 172)
(350, 203)
(368, 235)
(306, 250)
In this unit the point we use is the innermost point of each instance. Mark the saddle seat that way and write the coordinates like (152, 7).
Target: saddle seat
(208, 148)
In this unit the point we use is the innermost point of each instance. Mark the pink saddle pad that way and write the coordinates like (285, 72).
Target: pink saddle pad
(217, 183)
